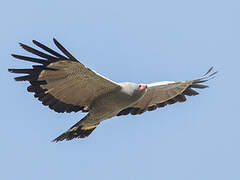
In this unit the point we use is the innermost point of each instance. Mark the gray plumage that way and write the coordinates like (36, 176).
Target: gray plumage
(65, 85)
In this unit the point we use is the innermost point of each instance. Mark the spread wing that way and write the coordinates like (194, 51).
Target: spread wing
(167, 92)
(61, 81)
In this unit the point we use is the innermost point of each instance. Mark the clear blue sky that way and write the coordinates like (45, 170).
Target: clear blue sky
(139, 41)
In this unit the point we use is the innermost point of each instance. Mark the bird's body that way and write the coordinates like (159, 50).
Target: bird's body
(105, 107)
(66, 85)
(111, 103)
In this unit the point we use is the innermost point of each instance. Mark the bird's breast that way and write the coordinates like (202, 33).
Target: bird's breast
(112, 102)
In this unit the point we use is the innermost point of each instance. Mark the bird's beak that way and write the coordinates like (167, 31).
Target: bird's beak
(144, 87)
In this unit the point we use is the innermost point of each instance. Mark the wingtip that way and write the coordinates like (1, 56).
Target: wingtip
(24, 46)
(16, 79)
(13, 55)
(54, 40)
(34, 41)
(210, 73)
(10, 70)
(211, 68)
(213, 74)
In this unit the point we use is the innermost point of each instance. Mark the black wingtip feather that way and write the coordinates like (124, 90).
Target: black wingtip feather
(68, 54)
(35, 60)
(48, 49)
(38, 53)
(181, 98)
(10, 70)
(208, 71)
(207, 76)
(21, 71)
(25, 78)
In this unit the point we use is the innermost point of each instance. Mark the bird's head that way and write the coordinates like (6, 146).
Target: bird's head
(135, 91)
(142, 87)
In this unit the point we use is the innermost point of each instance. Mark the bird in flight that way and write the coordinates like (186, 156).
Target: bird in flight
(63, 84)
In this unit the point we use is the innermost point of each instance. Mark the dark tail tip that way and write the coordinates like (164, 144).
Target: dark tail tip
(80, 132)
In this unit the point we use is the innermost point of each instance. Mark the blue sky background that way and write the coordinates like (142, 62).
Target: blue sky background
(139, 41)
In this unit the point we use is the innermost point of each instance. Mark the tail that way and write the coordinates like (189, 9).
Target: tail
(76, 131)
